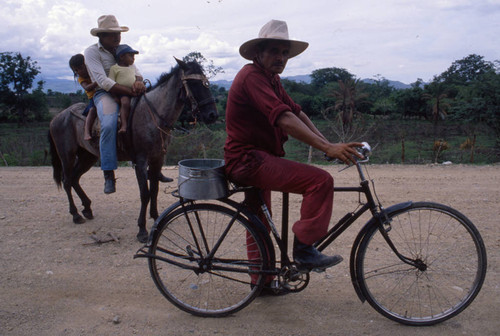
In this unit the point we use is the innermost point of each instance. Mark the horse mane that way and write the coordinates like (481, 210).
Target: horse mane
(165, 77)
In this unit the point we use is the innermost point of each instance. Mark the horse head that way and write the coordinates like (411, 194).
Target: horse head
(197, 90)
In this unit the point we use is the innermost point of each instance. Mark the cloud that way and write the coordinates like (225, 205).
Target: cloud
(400, 40)
(65, 24)
(157, 51)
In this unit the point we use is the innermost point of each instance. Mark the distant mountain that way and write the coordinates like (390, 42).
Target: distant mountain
(300, 78)
(70, 86)
(222, 83)
(395, 84)
(307, 79)
(60, 85)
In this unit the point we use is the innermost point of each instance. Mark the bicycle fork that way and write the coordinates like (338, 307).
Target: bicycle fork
(384, 228)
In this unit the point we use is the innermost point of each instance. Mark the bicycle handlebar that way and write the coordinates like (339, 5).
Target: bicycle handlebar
(365, 150)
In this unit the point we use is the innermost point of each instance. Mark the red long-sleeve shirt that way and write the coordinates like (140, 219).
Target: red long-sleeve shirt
(255, 102)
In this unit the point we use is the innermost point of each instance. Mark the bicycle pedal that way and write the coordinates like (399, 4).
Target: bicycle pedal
(318, 270)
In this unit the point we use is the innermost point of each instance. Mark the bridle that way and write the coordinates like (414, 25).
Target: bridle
(195, 105)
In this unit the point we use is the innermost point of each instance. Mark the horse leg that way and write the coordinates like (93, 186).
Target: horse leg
(154, 173)
(85, 161)
(67, 185)
(142, 179)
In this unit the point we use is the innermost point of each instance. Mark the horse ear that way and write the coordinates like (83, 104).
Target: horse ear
(181, 63)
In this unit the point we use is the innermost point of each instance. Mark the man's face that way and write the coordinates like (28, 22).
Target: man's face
(274, 56)
(110, 41)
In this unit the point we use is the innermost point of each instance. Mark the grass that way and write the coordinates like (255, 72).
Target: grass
(28, 146)
(24, 145)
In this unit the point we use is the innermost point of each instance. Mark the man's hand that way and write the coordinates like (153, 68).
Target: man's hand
(138, 87)
(344, 152)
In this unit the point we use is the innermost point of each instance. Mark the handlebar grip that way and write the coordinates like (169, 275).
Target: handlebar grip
(365, 150)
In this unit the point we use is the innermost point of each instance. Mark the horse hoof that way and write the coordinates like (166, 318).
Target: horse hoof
(142, 236)
(88, 214)
(165, 179)
(77, 219)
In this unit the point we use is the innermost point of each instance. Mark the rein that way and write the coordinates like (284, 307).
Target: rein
(195, 106)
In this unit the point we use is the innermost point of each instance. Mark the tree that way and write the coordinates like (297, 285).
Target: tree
(379, 100)
(16, 78)
(347, 96)
(321, 77)
(303, 94)
(436, 94)
(208, 66)
(466, 70)
(410, 102)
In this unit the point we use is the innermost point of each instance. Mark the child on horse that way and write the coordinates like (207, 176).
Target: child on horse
(124, 74)
(77, 65)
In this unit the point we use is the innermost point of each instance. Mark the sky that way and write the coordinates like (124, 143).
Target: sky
(401, 40)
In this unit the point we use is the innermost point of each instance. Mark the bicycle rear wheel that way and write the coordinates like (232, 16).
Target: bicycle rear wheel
(200, 261)
(452, 269)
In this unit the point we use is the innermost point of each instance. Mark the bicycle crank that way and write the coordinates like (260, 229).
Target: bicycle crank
(292, 279)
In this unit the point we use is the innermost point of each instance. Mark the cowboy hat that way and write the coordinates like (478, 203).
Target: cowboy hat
(274, 30)
(107, 24)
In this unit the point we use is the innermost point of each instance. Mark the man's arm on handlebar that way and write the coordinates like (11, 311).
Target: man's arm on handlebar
(296, 127)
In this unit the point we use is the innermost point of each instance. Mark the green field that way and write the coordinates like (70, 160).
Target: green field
(28, 145)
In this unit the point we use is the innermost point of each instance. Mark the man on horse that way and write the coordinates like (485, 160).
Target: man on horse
(99, 58)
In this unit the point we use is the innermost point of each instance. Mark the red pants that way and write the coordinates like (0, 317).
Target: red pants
(271, 173)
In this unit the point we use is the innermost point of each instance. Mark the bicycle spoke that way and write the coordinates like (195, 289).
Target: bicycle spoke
(217, 281)
(451, 254)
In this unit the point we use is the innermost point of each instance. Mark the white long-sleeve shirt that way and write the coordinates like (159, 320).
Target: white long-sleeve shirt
(98, 61)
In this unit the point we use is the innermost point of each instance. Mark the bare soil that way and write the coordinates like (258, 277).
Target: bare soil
(55, 281)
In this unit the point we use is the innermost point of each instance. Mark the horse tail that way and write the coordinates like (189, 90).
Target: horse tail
(56, 162)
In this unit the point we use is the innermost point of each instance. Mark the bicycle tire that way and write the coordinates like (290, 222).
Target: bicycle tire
(448, 244)
(207, 287)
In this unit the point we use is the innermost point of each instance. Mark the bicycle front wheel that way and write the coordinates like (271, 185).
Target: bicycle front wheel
(200, 260)
(449, 270)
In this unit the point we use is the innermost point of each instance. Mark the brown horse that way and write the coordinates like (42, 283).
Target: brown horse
(144, 144)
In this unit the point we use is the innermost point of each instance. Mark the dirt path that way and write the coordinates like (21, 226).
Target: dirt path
(52, 282)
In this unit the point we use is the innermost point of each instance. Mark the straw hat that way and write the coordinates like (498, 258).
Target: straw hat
(107, 24)
(274, 30)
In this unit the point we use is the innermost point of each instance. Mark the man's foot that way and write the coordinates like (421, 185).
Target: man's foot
(308, 258)
(87, 137)
(122, 130)
(109, 181)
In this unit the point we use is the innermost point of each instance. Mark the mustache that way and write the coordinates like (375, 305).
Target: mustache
(278, 64)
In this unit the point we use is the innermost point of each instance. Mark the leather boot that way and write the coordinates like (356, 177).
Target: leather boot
(309, 258)
(109, 181)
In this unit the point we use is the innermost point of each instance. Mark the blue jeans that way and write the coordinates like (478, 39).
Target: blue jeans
(107, 111)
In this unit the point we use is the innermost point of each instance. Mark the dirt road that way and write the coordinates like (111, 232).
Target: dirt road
(54, 281)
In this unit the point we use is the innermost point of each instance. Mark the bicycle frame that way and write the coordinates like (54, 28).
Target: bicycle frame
(379, 218)
(344, 223)
(202, 249)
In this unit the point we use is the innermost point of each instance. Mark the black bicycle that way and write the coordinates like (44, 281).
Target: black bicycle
(417, 263)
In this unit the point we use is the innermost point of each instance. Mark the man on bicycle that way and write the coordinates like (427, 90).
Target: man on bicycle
(259, 117)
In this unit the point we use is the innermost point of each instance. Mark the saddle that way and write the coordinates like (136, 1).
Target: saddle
(123, 146)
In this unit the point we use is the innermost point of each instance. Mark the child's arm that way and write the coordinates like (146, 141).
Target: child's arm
(87, 85)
